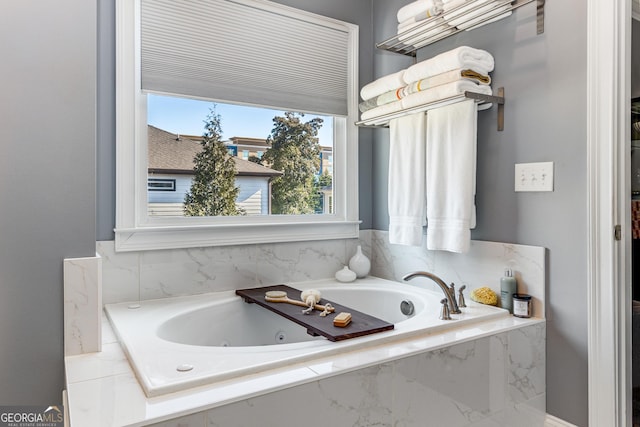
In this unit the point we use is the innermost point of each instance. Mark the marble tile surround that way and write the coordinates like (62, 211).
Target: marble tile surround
(132, 276)
(480, 377)
(479, 383)
(82, 305)
(483, 265)
(494, 380)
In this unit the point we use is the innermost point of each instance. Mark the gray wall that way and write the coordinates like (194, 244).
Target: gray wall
(47, 184)
(545, 82)
(354, 11)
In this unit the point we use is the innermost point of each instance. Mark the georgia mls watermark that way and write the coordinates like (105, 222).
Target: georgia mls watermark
(31, 416)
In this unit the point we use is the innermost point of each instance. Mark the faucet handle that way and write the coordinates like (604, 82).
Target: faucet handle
(444, 311)
(461, 303)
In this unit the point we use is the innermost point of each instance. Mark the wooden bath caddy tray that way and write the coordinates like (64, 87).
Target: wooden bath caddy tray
(361, 323)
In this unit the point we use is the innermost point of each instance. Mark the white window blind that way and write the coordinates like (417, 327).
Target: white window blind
(245, 51)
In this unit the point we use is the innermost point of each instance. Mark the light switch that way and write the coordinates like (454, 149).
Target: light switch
(534, 176)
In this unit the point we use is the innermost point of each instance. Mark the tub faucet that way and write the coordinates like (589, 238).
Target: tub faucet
(449, 292)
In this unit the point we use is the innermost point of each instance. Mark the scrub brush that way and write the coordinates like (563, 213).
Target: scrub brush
(484, 295)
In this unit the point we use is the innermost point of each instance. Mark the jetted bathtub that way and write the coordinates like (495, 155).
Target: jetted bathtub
(177, 343)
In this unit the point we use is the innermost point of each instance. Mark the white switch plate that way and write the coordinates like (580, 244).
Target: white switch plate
(534, 176)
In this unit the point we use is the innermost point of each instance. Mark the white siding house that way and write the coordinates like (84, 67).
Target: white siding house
(170, 173)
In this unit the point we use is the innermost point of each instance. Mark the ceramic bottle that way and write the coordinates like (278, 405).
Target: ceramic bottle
(360, 264)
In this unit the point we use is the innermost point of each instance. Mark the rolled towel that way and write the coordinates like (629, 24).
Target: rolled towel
(385, 98)
(478, 60)
(424, 84)
(419, 31)
(416, 8)
(438, 93)
(424, 15)
(427, 96)
(383, 109)
(383, 84)
(444, 78)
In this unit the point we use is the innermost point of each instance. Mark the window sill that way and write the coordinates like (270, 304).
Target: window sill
(155, 238)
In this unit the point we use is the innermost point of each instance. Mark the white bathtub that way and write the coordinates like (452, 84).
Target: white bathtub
(178, 343)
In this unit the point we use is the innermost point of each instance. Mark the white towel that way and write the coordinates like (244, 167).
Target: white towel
(382, 85)
(420, 31)
(451, 167)
(424, 84)
(463, 18)
(427, 96)
(382, 109)
(437, 93)
(444, 78)
(462, 57)
(416, 8)
(406, 198)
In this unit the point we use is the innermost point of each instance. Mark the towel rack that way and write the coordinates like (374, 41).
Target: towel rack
(383, 120)
(426, 37)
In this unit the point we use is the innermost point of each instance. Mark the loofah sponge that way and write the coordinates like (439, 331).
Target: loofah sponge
(484, 295)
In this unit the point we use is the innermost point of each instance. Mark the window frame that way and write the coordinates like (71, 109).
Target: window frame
(136, 230)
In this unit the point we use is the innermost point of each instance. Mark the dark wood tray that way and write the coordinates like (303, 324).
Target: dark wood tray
(361, 323)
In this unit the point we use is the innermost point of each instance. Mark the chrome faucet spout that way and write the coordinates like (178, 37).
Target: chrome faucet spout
(449, 292)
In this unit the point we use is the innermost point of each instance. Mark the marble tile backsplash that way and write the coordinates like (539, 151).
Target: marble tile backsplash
(131, 276)
(483, 265)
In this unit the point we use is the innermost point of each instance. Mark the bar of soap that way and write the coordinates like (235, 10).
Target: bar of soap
(342, 319)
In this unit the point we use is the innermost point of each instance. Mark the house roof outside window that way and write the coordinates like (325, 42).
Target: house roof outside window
(173, 154)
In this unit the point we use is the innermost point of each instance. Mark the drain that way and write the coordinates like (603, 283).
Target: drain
(185, 367)
(281, 337)
(133, 306)
(407, 308)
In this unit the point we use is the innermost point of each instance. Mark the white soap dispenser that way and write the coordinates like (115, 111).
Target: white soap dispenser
(508, 287)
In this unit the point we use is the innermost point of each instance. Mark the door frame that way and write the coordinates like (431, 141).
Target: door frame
(608, 205)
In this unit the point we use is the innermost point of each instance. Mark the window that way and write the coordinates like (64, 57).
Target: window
(289, 81)
(262, 184)
(157, 184)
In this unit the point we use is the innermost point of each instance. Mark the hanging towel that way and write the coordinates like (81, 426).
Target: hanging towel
(383, 84)
(451, 166)
(478, 60)
(407, 181)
